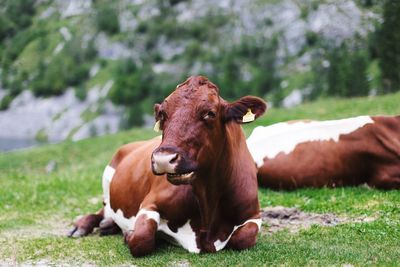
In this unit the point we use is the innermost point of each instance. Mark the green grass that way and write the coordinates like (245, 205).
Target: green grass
(37, 208)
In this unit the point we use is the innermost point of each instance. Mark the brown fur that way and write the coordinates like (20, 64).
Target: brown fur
(369, 155)
(225, 185)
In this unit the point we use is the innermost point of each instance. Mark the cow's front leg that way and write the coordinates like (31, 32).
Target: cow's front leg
(245, 236)
(109, 227)
(141, 240)
(85, 224)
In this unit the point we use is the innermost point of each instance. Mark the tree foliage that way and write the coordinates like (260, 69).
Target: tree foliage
(107, 19)
(347, 72)
(16, 16)
(133, 84)
(389, 46)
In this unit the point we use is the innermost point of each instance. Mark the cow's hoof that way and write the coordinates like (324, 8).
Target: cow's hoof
(77, 232)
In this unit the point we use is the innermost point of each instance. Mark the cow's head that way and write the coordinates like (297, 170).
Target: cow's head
(194, 121)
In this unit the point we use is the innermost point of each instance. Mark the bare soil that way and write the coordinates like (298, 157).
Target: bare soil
(279, 218)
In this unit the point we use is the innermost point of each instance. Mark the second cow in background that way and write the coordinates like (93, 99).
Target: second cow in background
(333, 153)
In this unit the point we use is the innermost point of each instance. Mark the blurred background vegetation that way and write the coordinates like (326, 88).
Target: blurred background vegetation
(71, 69)
(148, 47)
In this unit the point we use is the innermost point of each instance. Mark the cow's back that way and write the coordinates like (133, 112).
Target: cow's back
(314, 164)
(315, 154)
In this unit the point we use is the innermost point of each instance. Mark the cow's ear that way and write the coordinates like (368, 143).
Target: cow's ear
(246, 109)
(156, 111)
(157, 125)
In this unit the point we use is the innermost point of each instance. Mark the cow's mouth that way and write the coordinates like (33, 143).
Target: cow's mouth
(180, 178)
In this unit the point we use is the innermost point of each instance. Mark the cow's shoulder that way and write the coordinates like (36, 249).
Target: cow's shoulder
(133, 179)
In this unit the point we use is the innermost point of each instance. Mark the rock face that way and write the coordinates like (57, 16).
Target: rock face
(57, 118)
(74, 7)
(112, 50)
(290, 19)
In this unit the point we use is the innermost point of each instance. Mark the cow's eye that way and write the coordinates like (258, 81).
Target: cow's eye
(209, 115)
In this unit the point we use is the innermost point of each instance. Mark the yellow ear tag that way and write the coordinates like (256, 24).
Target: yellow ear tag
(157, 126)
(249, 116)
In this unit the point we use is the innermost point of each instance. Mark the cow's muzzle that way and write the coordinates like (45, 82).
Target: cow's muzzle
(174, 163)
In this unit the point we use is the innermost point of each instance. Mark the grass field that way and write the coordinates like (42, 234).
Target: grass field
(37, 208)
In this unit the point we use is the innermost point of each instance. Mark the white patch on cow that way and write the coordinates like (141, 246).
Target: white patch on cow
(185, 236)
(221, 244)
(271, 140)
(108, 174)
(150, 214)
(118, 217)
(128, 224)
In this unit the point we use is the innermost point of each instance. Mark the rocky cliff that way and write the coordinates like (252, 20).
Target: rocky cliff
(81, 40)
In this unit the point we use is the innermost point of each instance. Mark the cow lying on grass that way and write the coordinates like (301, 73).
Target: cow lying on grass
(332, 153)
(197, 185)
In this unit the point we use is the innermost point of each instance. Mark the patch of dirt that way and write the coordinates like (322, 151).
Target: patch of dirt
(183, 263)
(53, 228)
(279, 218)
(47, 262)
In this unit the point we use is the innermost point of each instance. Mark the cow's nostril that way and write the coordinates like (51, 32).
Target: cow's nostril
(164, 162)
(174, 159)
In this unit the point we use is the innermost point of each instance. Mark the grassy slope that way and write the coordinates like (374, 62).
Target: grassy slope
(36, 208)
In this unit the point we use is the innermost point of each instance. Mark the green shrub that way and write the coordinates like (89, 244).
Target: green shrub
(7, 28)
(134, 115)
(107, 19)
(42, 136)
(80, 93)
(368, 3)
(358, 84)
(15, 16)
(6, 101)
(135, 85)
(347, 72)
(20, 11)
(52, 79)
(311, 38)
(57, 76)
(77, 74)
(14, 46)
(260, 62)
(389, 47)
(80, 55)
(68, 68)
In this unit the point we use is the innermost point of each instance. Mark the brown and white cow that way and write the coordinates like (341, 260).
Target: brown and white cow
(344, 152)
(197, 186)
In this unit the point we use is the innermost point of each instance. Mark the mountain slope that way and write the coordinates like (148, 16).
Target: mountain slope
(73, 69)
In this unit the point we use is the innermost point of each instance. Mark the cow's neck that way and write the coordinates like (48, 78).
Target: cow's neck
(209, 186)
